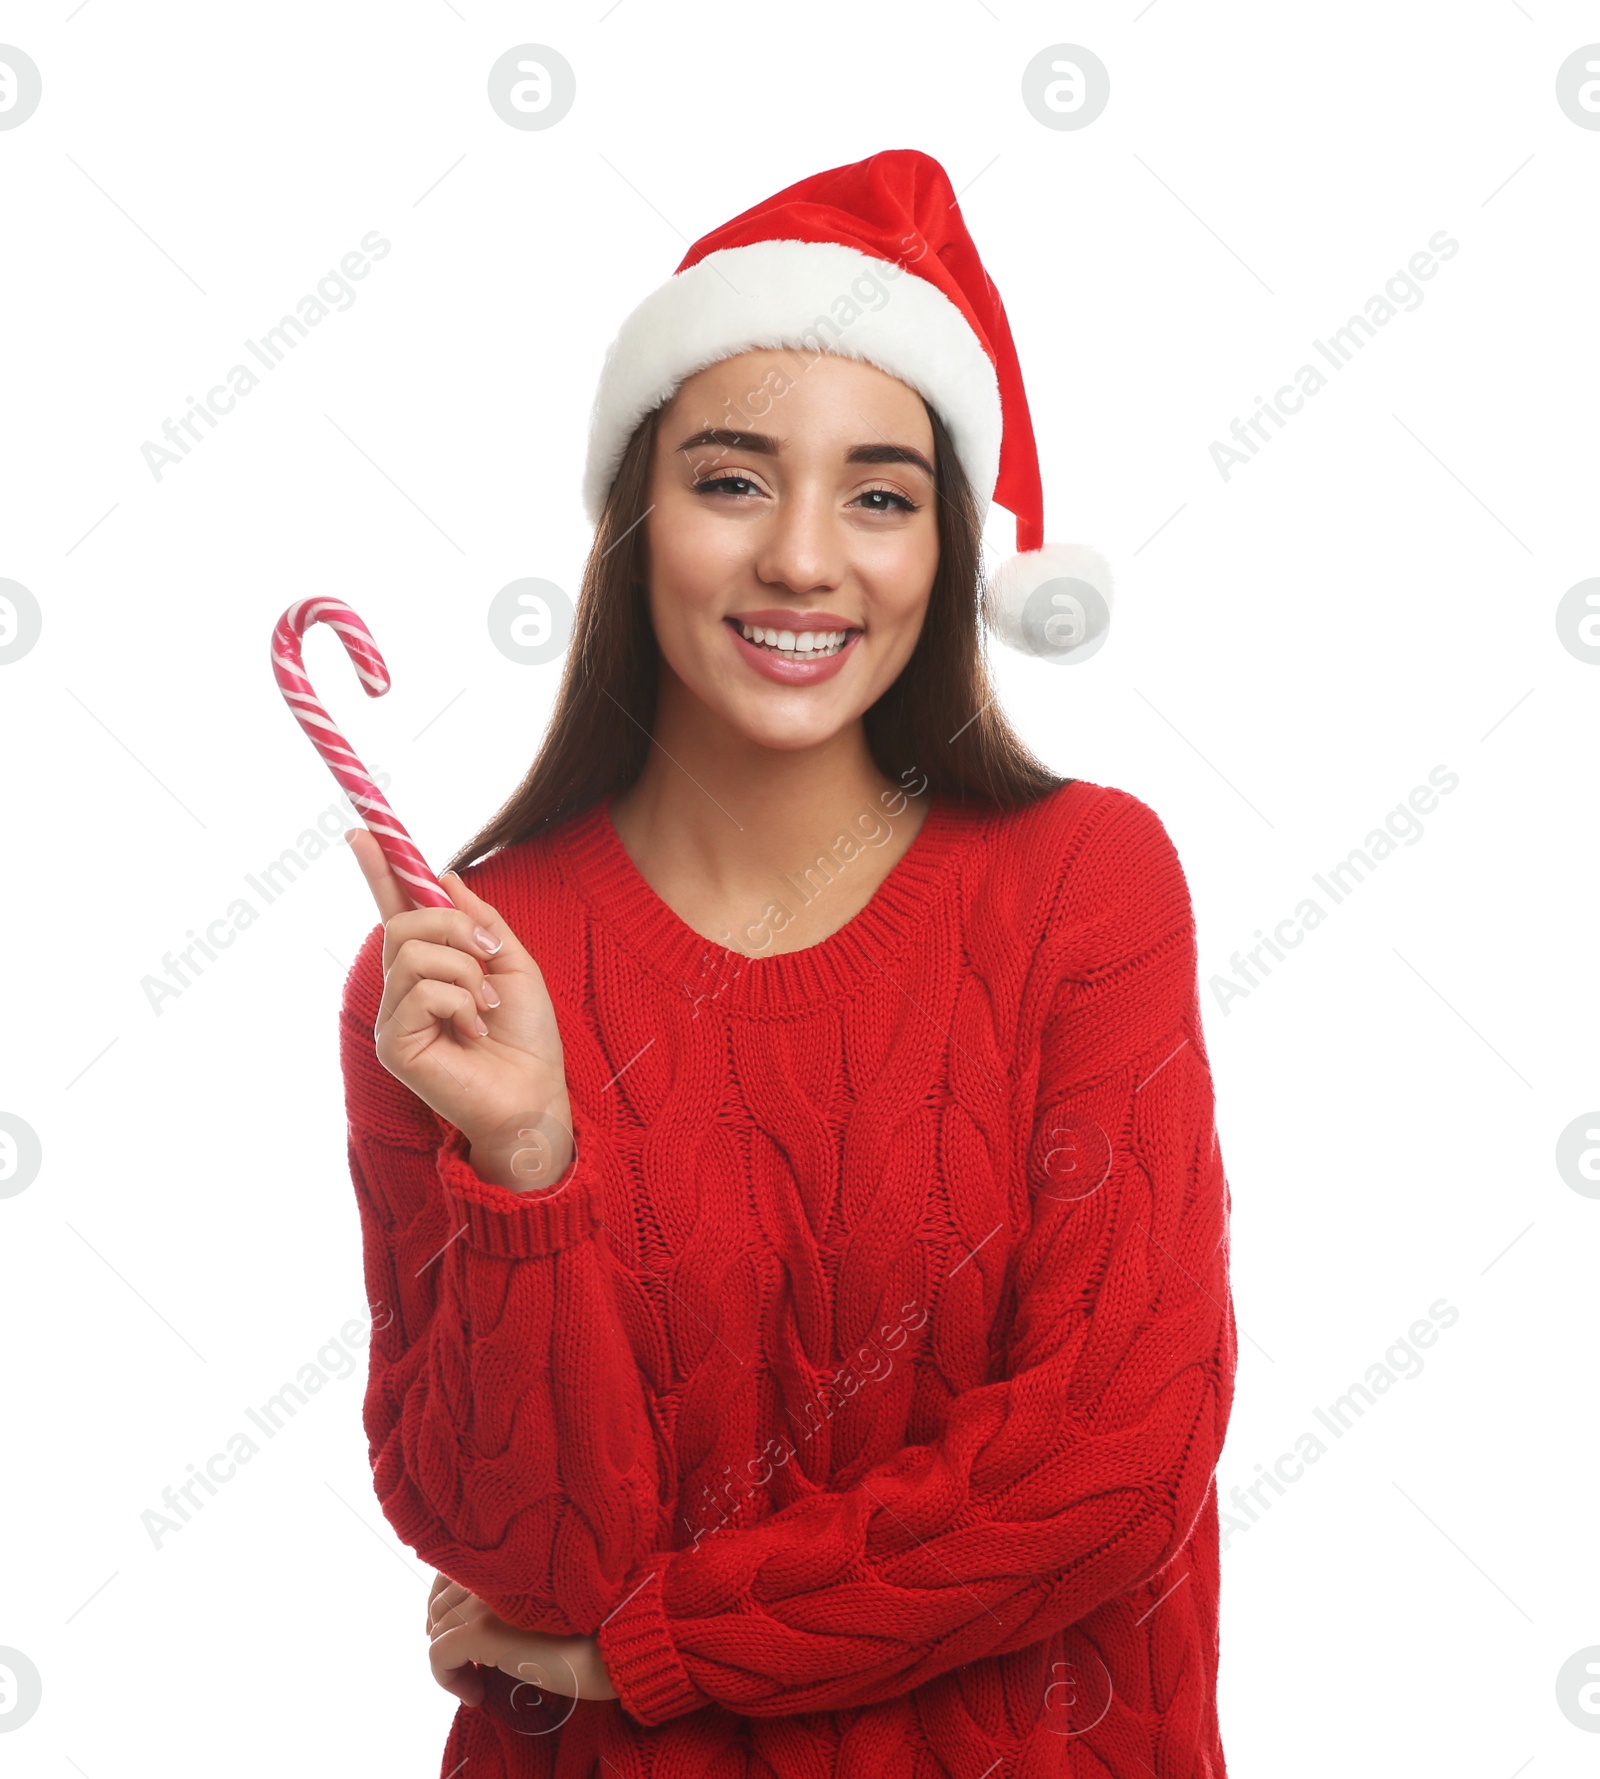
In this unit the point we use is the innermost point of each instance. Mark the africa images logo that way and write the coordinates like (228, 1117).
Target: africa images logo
(1402, 292)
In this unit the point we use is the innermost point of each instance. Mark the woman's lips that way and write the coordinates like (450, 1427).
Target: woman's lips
(790, 670)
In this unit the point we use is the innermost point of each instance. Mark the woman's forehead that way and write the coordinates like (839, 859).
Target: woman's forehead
(782, 393)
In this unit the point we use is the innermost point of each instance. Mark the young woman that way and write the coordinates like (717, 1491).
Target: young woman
(792, 1163)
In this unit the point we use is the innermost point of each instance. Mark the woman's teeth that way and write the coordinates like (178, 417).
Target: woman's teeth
(786, 642)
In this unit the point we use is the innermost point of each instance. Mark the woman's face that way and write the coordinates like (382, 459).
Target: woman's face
(794, 501)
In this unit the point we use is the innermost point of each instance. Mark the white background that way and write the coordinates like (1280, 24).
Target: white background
(1293, 650)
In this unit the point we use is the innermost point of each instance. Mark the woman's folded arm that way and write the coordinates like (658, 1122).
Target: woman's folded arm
(1080, 1474)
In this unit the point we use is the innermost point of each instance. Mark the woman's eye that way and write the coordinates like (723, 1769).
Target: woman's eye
(874, 500)
(725, 484)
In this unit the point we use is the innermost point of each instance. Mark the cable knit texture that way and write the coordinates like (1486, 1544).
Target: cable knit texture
(862, 1382)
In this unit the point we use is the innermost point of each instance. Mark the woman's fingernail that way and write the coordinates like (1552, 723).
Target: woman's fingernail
(487, 940)
(489, 995)
(483, 1030)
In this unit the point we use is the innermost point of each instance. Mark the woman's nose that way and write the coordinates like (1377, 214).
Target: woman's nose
(801, 547)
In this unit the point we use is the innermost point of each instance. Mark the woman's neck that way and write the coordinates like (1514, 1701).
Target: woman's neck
(717, 830)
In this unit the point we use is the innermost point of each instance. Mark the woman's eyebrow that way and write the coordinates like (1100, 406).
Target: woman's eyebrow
(890, 454)
(729, 440)
(759, 443)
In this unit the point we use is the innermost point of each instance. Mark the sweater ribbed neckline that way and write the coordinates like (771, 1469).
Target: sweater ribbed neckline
(715, 977)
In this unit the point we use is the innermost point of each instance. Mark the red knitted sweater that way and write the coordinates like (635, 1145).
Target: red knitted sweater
(862, 1382)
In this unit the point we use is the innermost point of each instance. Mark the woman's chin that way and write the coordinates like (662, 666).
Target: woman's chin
(764, 713)
(784, 722)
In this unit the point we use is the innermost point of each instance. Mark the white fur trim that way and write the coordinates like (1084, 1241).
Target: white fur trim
(797, 294)
(1068, 624)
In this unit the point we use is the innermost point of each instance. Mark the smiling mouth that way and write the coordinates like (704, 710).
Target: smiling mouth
(804, 645)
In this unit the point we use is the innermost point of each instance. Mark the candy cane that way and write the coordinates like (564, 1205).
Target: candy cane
(398, 847)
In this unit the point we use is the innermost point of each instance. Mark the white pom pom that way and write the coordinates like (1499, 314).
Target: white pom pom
(1053, 603)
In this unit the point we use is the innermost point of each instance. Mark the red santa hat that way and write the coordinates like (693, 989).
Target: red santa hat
(873, 261)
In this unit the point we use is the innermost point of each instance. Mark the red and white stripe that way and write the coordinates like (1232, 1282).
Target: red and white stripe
(399, 848)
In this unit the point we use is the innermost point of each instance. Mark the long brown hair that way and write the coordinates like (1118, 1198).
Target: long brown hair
(923, 726)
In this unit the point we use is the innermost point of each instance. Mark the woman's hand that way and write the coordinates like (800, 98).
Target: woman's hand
(462, 1632)
(467, 1024)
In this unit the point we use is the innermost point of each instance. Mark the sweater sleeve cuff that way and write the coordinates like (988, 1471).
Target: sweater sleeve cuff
(519, 1225)
(640, 1657)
